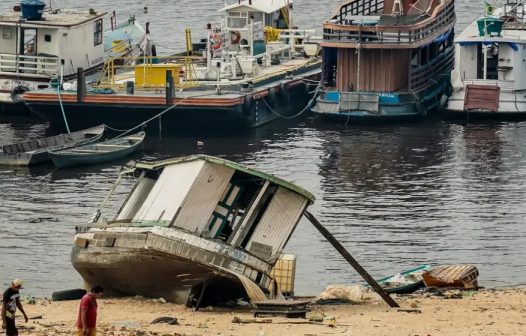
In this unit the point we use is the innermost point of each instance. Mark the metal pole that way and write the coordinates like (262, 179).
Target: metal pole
(377, 288)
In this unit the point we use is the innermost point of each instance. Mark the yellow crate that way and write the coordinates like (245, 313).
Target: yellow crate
(154, 75)
(284, 272)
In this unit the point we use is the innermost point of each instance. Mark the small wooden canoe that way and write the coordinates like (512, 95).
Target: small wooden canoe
(404, 282)
(464, 276)
(36, 151)
(100, 152)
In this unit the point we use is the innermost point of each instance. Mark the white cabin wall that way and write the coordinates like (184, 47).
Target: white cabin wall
(168, 193)
(136, 198)
(278, 221)
(8, 45)
(50, 48)
(519, 67)
(467, 61)
(208, 188)
(506, 60)
(78, 50)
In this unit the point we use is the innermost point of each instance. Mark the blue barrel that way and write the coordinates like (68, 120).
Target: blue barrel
(259, 47)
(32, 9)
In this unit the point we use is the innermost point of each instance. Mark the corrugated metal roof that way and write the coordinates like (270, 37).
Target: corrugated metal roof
(265, 6)
(155, 165)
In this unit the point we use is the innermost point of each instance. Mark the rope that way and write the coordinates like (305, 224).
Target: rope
(302, 111)
(62, 107)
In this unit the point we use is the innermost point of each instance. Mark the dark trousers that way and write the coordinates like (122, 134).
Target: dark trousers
(10, 327)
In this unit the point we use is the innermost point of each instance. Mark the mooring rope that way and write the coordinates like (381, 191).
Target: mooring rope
(62, 107)
(318, 89)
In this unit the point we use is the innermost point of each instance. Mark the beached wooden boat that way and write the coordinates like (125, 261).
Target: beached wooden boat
(99, 152)
(452, 276)
(35, 151)
(192, 230)
(404, 282)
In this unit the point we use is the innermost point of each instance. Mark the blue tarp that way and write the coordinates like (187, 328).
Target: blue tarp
(512, 45)
(442, 37)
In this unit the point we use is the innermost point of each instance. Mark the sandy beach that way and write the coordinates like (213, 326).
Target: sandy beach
(486, 312)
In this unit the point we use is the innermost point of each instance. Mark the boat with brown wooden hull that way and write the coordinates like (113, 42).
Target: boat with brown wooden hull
(192, 230)
(386, 60)
(253, 68)
(464, 276)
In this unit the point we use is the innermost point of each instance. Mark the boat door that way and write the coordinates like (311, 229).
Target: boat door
(28, 50)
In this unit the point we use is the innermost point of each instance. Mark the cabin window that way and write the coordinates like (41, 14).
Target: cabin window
(47, 38)
(6, 33)
(97, 36)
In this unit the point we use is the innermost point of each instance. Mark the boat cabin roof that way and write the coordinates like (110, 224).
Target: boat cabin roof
(52, 19)
(156, 165)
(265, 6)
(514, 32)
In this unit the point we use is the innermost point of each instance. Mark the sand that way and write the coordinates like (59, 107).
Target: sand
(486, 312)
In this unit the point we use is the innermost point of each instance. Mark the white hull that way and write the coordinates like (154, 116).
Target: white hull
(510, 103)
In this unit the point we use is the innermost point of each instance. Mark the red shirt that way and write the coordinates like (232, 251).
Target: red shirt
(90, 303)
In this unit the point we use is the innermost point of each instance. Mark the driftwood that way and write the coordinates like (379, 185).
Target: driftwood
(253, 320)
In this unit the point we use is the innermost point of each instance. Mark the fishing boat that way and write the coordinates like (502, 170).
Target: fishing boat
(192, 230)
(489, 78)
(42, 43)
(463, 276)
(36, 151)
(251, 69)
(404, 282)
(99, 152)
(386, 60)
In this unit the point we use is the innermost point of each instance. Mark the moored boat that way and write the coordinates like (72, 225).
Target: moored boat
(253, 68)
(404, 282)
(99, 152)
(489, 78)
(31, 152)
(41, 43)
(192, 230)
(386, 60)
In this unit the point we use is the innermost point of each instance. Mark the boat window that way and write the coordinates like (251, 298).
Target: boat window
(47, 38)
(237, 22)
(6, 33)
(97, 36)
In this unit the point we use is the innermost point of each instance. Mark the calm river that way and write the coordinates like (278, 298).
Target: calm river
(396, 196)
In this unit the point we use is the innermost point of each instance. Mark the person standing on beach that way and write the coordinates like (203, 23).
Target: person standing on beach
(87, 319)
(11, 300)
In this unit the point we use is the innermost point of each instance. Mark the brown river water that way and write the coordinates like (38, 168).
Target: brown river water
(396, 196)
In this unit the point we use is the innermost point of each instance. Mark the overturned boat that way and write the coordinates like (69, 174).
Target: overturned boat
(192, 230)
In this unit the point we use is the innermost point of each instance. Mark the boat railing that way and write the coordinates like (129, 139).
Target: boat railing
(32, 65)
(338, 30)
(148, 72)
(420, 77)
(503, 85)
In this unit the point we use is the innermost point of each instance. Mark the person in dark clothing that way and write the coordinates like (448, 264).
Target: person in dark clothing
(11, 300)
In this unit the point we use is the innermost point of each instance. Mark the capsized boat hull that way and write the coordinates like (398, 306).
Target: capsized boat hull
(464, 276)
(174, 268)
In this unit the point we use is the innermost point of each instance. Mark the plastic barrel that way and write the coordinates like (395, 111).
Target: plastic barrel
(32, 9)
(259, 47)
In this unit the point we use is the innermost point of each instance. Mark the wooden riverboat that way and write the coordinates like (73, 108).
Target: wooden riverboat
(193, 230)
(99, 152)
(464, 276)
(252, 69)
(489, 77)
(31, 152)
(386, 60)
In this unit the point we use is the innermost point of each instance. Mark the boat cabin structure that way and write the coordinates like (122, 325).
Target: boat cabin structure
(191, 229)
(386, 60)
(490, 69)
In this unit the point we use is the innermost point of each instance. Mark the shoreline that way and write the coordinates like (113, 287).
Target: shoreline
(499, 311)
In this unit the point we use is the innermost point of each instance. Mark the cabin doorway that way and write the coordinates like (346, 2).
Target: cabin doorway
(28, 45)
(490, 64)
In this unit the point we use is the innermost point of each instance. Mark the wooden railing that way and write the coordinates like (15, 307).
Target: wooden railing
(338, 30)
(421, 77)
(34, 65)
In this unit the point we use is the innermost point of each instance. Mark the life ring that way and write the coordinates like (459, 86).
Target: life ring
(236, 37)
(17, 92)
(216, 41)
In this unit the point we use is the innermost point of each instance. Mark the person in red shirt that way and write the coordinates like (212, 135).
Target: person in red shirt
(87, 319)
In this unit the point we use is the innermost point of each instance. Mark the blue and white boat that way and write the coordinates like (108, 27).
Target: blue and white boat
(386, 60)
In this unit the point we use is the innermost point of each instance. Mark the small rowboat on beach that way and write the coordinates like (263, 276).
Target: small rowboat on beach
(100, 152)
(30, 152)
(404, 282)
(464, 276)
